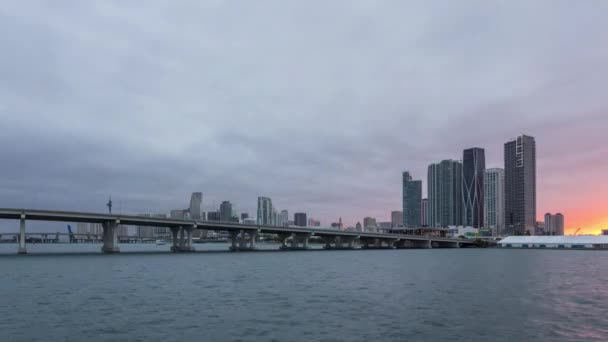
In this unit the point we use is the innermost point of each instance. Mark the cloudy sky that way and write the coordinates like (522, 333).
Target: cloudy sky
(318, 104)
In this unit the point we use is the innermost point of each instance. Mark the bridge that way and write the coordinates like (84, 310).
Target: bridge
(242, 236)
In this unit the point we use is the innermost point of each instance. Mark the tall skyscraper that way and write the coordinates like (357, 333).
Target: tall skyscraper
(196, 201)
(370, 224)
(424, 213)
(265, 211)
(396, 218)
(520, 185)
(300, 219)
(494, 197)
(412, 200)
(473, 167)
(445, 194)
(283, 218)
(226, 211)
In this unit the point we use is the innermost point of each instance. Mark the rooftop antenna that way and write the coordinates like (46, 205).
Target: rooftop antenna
(109, 205)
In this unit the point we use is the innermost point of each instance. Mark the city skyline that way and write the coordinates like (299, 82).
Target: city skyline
(149, 104)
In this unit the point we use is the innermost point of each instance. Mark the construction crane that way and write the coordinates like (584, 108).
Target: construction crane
(576, 232)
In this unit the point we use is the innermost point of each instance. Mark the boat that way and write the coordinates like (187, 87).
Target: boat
(161, 242)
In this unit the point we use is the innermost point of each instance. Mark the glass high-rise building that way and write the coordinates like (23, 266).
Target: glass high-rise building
(299, 219)
(473, 167)
(265, 211)
(520, 185)
(196, 201)
(226, 211)
(412, 201)
(494, 197)
(445, 194)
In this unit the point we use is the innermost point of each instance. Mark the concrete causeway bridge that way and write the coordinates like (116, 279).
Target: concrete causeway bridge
(242, 236)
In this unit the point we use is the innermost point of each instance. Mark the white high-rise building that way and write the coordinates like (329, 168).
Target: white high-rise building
(283, 218)
(265, 211)
(494, 197)
(196, 202)
(554, 224)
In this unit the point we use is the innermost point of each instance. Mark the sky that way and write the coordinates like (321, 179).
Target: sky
(319, 105)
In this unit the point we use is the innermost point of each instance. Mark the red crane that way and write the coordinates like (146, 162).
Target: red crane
(576, 232)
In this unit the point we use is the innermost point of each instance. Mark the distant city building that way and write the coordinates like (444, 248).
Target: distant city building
(283, 218)
(244, 216)
(214, 216)
(445, 194)
(313, 223)
(412, 200)
(604, 231)
(226, 211)
(178, 214)
(265, 211)
(494, 197)
(473, 169)
(358, 227)
(520, 185)
(424, 213)
(300, 219)
(396, 218)
(248, 220)
(196, 201)
(152, 231)
(369, 224)
(89, 228)
(385, 226)
(337, 225)
(554, 224)
(539, 228)
(275, 216)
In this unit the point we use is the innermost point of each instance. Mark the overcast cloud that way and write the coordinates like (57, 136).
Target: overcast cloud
(318, 104)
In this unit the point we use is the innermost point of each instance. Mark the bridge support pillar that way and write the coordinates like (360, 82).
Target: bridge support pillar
(110, 237)
(22, 249)
(182, 239)
(252, 236)
(175, 239)
(234, 240)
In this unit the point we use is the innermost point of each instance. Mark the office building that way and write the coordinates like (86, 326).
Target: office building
(196, 201)
(424, 213)
(265, 211)
(554, 224)
(283, 218)
(494, 197)
(358, 227)
(445, 194)
(214, 216)
(300, 219)
(369, 224)
(412, 200)
(396, 218)
(244, 216)
(520, 185)
(226, 211)
(473, 168)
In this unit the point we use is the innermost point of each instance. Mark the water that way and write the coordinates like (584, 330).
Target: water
(374, 295)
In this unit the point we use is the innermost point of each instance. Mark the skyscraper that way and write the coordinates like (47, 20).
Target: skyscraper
(396, 218)
(424, 213)
(283, 218)
(226, 211)
(412, 200)
(265, 211)
(520, 185)
(494, 197)
(445, 194)
(196, 201)
(300, 219)
(473, 167)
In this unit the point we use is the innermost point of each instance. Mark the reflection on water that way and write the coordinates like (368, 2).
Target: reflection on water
(388, 295)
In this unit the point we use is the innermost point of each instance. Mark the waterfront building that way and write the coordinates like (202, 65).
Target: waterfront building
(412, 200)
(313, 222)
(244, 216)
(369, 224)
(604, 231)
(265, 211)
(494, 197)
(89, 228)
(226, 211)
(358, 227)
(539, 228)
(473, 168)
(248, 220)
(396, 218)
(300, 219)
(178, 214)
(274, 217)
(151, 231)
(196, 201)
(283, 218)
(554, 224)
(520, 185)
(385, 227)
(424, 213)
(214, 216)
(445, 194)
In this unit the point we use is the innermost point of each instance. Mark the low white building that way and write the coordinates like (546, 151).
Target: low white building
(565, 241)
(468, 232)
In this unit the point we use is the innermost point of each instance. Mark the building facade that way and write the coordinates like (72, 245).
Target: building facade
(300, 219)
(226, 211)
(494, 197)
(196, 202)
(265, 211)
(473, 168)
(554, 224)
(520, 185)
(445, 194)
(424, 213)
(412, 200)
(396, 218)
(283, 218)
